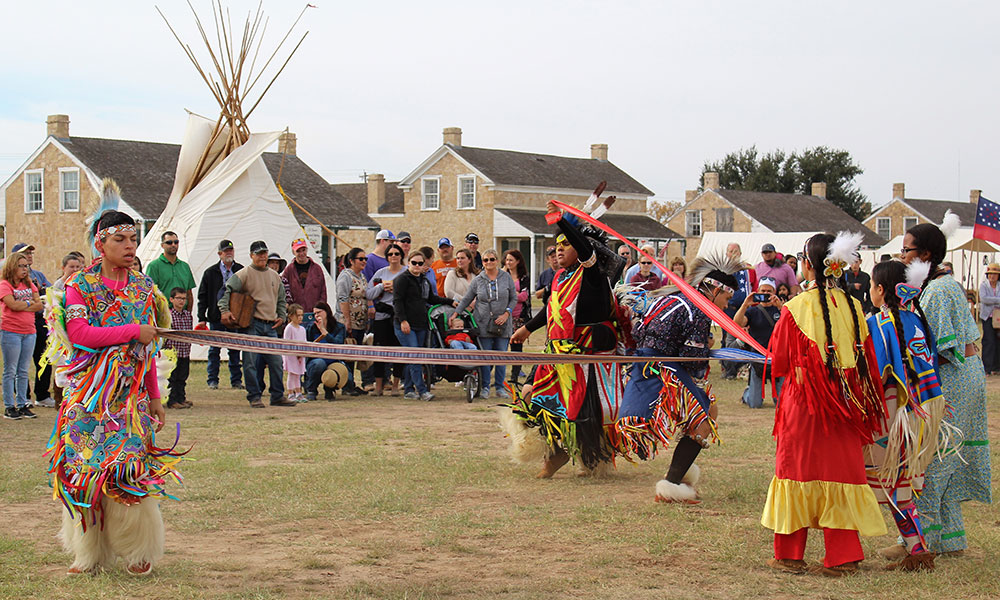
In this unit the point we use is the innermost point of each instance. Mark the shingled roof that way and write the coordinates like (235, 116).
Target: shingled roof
(143, 170)
(145, 173)
(507, 167)
(357, 194)
(631, 225)
(309, 189)
(934, 210)
(797, 212)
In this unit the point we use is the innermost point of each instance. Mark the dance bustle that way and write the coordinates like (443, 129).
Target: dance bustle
(526, 444)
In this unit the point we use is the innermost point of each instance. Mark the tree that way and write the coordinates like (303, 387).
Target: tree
(662, 211)
(795, 173)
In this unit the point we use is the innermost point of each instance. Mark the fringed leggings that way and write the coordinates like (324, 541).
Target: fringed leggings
(134, 533)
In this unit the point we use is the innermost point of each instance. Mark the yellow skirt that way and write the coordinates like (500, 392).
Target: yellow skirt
(792, 505)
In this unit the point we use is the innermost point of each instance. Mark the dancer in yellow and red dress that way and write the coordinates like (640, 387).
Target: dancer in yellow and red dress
(830, 406)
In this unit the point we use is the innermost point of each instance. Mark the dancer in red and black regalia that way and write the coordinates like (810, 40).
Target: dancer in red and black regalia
(572, 405)
(830, 406)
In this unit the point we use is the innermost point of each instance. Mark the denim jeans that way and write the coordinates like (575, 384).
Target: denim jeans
(413, 373)
(314, 373)
(214, 353)
(460, 345)
(499, 371)
(271, 361)
(17, 349)
(753, 395)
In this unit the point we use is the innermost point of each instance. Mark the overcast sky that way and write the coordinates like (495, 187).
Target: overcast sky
(909, 88)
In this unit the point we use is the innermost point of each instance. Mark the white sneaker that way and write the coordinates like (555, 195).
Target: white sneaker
(427, 396)
(47, 403)
(485, 394)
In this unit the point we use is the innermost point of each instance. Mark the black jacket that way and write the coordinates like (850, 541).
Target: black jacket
(210, 291)
(410, 297)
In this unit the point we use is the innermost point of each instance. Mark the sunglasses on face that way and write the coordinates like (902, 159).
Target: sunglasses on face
(172, 242)
(490, 259)
(364, 258)
(905, 250)
(392, 254)
(404, 241)
(645, 262)
(416, 263)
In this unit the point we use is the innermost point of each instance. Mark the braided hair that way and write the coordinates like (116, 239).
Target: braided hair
(888, 274)
(817, 248)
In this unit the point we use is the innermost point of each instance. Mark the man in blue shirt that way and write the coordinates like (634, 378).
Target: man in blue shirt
(760, 318)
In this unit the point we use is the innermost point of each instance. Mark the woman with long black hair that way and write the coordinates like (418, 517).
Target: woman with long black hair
(830, 406)
(955, 478)
(513, 263)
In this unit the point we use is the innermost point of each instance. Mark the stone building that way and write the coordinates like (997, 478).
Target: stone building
(501, 196)
(716, 209)
(49, 198)
(901, 212)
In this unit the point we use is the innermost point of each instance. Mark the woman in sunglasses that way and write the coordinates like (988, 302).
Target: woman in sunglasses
(495, 296)
(411, 294)
(380, 293)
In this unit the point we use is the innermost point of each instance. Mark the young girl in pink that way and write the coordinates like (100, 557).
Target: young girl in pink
(295, 366)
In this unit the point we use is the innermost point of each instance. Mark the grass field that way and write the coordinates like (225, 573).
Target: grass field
(386, 498)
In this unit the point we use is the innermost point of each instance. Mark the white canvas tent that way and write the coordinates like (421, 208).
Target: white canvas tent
(237, 201)
(714, 242)
(968, 255)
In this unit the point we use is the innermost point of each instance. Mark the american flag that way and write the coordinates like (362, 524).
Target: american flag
(987, 221)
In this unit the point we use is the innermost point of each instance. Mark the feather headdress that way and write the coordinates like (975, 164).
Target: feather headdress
(950, 224)
(111, 198)
(842, 252)
(704, 266)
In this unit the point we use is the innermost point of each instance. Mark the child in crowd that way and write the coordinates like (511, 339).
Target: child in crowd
(295, 366)
(458, 340)
(180, 318)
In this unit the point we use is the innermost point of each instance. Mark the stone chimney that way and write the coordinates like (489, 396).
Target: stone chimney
(899, 190)
(286, 143)
(599, 151)
(690, 195)
(819, 189)
(376, 192)
(453, 136)
(710, 181)
(58, 126)
(974, 196)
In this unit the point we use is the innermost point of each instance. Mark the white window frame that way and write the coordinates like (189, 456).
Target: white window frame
(688, 223)
(460, 179)
(913, 220)
(41, 175)
(63, 190)
(423, 193)
(888, 226)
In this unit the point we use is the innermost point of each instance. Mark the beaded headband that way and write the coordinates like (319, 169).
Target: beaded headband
(112, 230)
(718, 284)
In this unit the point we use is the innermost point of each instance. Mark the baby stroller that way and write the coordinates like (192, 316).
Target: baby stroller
(438, 316)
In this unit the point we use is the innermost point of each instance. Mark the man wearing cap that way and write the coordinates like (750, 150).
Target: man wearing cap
(377, 259)
(43, 377)
(472, 245)
(989, 301)
(443, 265)
(306, 280)
(405, 241)
(778, 270)
(213, 284)
(263, 285)
(278, 264)
(168, 271)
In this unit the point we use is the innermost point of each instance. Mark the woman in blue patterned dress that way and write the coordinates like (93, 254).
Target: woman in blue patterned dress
(952, 479)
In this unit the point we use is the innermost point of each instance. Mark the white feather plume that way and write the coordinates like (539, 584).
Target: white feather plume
(844, 247)
(917, 272)
(950, 224)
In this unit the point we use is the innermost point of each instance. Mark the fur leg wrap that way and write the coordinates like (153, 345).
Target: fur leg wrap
(675, 492)
(692, 476)
(527, 445)
(90, 549)
(135, 532)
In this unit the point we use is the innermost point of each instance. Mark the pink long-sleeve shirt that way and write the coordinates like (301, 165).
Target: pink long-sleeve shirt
(83, 333)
